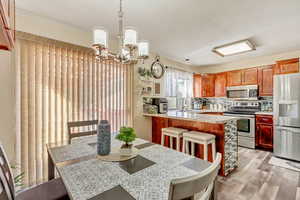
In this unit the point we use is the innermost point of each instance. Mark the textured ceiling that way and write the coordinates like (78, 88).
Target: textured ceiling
(181, 29)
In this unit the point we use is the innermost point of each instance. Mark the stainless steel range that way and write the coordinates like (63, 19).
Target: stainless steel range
(245, 110)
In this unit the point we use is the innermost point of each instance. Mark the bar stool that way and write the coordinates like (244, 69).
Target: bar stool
(199, 138)
(172, 132)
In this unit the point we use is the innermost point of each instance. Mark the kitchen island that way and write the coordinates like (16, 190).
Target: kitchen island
(223, 127)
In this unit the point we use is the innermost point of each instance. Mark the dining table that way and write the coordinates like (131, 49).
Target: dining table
(144, 177)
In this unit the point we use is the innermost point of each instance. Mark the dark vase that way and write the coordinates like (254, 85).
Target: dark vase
(104, 138)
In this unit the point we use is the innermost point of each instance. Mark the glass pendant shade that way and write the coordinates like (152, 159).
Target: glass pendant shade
(100, 37)
(130, 51)
(130, 37)
(143, 48)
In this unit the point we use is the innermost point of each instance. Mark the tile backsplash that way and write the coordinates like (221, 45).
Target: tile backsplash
(266, 103)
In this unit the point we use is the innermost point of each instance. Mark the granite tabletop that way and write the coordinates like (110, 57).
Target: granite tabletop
(145, 177)
(192, 116)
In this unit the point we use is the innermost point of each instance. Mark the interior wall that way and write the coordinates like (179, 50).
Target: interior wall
(7, 105)
(38, 25)
(253, 62)
(142, 124)
(43, 26)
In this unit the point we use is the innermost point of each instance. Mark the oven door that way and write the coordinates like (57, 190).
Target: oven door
(245, 125)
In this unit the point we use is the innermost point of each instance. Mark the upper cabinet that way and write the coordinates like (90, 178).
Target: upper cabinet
(7, 24)
(220, 84)
(265, 80)
(197, 85)
(214, 85)
(287, 66)
(204, 85)
(249, 76)
(242, 77)
(234, 78)
(208, 85)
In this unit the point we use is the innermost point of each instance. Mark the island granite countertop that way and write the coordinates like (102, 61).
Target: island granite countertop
(191, 116)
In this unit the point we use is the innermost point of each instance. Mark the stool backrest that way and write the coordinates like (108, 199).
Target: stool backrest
(184, 188)
(7, 188)
(82, 128)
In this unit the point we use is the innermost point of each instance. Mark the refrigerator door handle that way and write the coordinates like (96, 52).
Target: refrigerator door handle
(294, 130)
(288, 102)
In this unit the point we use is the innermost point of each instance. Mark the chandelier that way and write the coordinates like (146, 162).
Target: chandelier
(130, 51)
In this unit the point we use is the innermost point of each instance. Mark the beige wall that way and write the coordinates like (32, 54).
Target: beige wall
(7, 105)
(253, 62)
(42, 26)
(143, 125)
(28, 22)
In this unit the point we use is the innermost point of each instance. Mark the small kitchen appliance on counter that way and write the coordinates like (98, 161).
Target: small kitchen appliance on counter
(162, 105)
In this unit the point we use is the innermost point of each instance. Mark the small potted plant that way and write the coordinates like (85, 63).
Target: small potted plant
(127, 135)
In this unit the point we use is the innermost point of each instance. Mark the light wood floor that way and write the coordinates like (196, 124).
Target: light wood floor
(255, 179)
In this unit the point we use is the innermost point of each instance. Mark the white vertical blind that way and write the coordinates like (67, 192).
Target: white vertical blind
(58, 83)
(179, 88)
(178, 83)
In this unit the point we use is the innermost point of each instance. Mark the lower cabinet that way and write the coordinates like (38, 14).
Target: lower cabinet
(157, 124)
(264, 132)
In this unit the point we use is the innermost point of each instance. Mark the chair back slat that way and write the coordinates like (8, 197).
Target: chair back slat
(6, 178)
(4, 189)
(184, 188)
(82, 123)
(83, 128)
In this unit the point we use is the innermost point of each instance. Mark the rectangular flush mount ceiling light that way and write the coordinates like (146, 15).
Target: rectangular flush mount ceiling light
(234, 48)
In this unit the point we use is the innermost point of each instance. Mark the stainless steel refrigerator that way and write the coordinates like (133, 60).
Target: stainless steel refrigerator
(286, 106)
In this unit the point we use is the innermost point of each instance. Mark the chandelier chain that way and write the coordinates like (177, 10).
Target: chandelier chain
(121, 6)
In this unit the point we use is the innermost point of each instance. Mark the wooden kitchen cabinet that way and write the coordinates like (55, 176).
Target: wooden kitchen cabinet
(264, 132)
(249, 76)
(157, 124)
(242, 77)
(208, 85)
(204, 85)
(234, 78)
(7, 24)
(220, 84)
(197, 86)
(265, 80)
(287, 66)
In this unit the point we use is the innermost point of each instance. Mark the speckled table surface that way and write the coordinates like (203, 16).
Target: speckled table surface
(147, 176)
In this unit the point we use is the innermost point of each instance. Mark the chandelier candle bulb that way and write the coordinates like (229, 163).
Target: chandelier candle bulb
(143, 48)
(128, 46)
(130, 37)
(100, 37)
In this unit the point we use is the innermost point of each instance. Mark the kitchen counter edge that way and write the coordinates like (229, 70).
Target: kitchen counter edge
(205, 118)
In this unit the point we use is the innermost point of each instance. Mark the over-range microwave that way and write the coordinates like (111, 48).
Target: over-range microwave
(245, 92)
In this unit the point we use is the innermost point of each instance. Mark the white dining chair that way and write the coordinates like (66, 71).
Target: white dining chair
(198, 187)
